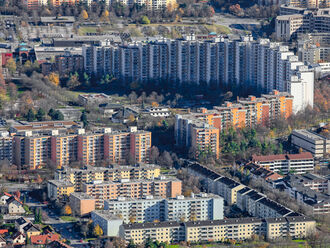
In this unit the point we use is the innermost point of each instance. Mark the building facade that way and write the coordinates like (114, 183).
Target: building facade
(260, 65)
(132, 188)
(149, 209)
(286, 163)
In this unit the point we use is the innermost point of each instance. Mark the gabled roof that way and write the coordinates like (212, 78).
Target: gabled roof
(17, 234)
(58, 244)
(22, 220)
(31, 228)
(3, 231)
(12, 199)
(44, 239)
(2, 239)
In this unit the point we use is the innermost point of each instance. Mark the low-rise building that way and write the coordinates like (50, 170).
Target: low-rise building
(81, 203)
(286, 163)
(57, 189)
(149, 208)
(97, 98)
(311, 142)
(258, 172)
(109, 223)
(14, 206)
(158, 112)
(307, 193)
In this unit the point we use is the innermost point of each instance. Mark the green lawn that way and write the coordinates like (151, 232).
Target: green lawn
(68, 218)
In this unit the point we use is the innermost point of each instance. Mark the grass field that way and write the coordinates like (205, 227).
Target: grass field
(68, 218)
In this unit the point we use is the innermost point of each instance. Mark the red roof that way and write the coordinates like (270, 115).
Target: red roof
(7, 194)
(303, 155)
(268, 158)
(3, 231)
(43, 239)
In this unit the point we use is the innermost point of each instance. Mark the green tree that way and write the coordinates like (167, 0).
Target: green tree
(145, 20)
(131, 244)
(58, 116)
(40, 114)
(30, 115)
(83, 118)
(51, 113)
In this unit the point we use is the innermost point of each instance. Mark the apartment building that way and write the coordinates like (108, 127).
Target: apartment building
(109, 223)
(6, 147)
(218, 230)
(258, 172)
(311, 142)
(261, 64)
(57, 189)
(309, 4)
(81, 203)
(150, 208)
(257, 204)
(233, 192)
(113, 173)
(140, 144)
(69, 63)
(309, 190)
(289, 26)
(286, 163)
(199, 131)
(36, 148)
(64, 149)
(161, 187)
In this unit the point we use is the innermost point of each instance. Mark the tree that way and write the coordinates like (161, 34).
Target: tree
(97, 231)
(54, 78)
(154, 154)
(67, 210)
(73, 81)
(12, 91)
(132, 219)
(30, 115)
(83, 118)
(84, 14)
(58, 116)
(145, 20)
(11, 65)
(40, 114)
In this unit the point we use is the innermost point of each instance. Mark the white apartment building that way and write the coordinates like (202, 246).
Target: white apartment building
(312, 142)
(261, 64)
(304, 21)
(148, 209)
(297, 163)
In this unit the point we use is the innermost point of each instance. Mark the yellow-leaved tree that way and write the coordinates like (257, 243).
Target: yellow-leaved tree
(84, 14)
(54, 78)
(97, 231)
(67, 210)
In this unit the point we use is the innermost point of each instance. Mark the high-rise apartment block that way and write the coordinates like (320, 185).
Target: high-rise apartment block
(307, 4)
(261, 64)
(115, 173)
(6, 147)
(69, 63)
(200, 131)
(161, 187)
(35, 149)
(149, 209)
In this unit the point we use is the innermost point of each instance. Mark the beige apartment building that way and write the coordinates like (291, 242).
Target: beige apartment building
(218, 230)
(162, 187)
(81, 203)
(90, 174)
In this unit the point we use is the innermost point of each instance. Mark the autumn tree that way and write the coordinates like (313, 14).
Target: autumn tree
(54, 78)
(97, 231)
(67, 210)
(12, 91)
(105, 16)
(11, 65)
(84, 15)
